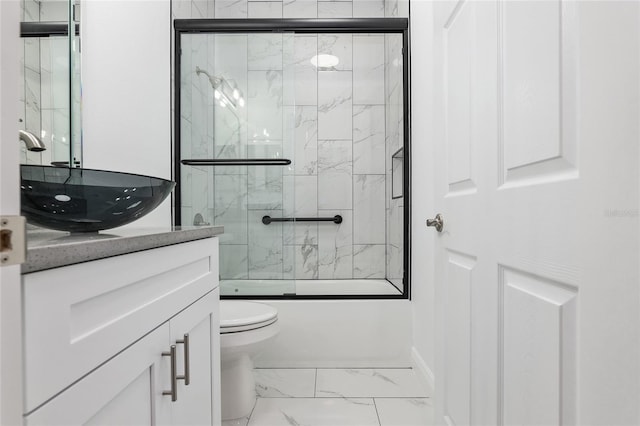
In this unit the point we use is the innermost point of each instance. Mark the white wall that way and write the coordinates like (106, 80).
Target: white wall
(126, 90)
(422, 238)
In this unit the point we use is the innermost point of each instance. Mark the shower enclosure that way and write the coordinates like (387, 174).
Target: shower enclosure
(293, 135)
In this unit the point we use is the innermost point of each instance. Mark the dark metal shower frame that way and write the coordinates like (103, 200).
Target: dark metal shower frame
(309, 26)
(46, 29)
(236, 162)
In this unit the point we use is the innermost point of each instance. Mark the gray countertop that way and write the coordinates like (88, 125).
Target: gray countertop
(47, 249)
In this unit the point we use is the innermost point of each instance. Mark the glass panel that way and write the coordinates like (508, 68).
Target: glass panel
(75, 110)
(394, 141)
(232, 107)
(348, 90)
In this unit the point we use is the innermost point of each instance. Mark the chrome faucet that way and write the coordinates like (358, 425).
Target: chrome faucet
(32, 141)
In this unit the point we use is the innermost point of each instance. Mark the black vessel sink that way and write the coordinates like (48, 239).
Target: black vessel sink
(85, 200)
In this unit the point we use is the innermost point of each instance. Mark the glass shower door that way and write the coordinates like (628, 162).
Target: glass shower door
(296, 142)
(235, 162)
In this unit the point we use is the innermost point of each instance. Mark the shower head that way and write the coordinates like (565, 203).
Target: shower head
(215, 81)
(201, 71)
(32, 141)
(225, 93)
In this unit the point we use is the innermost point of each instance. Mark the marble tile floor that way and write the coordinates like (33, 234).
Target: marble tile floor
(338, 397)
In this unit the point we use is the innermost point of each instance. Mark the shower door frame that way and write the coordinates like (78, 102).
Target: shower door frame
(307, 26)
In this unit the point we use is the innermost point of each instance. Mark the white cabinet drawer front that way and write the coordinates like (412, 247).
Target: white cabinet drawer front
(77, 317)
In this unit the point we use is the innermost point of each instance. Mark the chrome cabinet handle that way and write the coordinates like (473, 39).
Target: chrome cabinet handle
(437, 222)
(174, 379)
(187, 374)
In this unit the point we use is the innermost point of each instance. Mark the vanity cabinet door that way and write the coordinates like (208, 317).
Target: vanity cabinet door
(78, 316)
(195, 332)
(126, 390)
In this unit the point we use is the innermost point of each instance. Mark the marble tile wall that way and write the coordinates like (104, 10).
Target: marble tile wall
(330, 122)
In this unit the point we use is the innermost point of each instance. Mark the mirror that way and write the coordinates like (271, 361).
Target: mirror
(49, 102)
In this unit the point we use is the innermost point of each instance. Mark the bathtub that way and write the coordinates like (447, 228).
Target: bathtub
(307, 287)
(372, 333)
(333, 333)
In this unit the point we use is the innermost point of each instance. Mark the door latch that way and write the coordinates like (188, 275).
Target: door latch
(13, 247)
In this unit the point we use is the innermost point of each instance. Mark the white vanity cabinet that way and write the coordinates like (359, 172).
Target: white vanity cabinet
(98, 338)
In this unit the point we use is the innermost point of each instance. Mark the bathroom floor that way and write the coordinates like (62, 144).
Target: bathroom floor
(339, 397)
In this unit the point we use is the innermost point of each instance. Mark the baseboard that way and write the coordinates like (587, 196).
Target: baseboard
(424, 372)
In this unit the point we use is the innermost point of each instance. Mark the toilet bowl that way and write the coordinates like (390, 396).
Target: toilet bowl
(245, 327)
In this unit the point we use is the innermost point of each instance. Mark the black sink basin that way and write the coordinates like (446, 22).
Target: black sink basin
(85, 200)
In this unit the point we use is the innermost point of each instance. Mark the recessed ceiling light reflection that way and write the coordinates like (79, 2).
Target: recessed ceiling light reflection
(325, 61)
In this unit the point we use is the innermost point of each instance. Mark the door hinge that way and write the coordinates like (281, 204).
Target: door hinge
(13, 247)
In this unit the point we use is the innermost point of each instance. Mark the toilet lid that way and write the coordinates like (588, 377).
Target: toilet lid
(242, 316)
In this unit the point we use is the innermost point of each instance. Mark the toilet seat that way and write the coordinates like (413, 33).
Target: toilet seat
(238, 316)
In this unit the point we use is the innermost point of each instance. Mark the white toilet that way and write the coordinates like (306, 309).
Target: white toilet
(244, 329)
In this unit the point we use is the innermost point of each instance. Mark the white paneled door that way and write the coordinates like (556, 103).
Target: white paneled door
(537, 282)
(10, 314)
